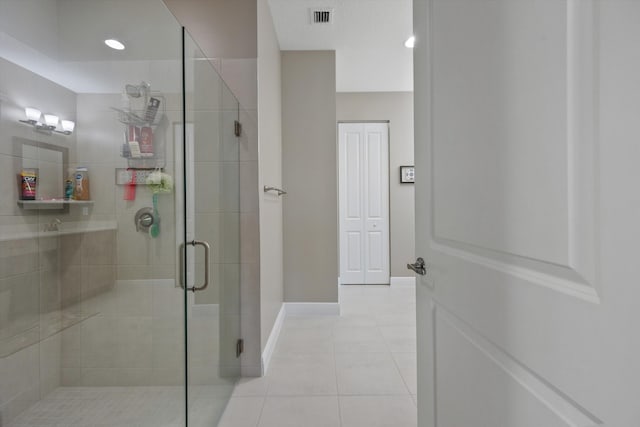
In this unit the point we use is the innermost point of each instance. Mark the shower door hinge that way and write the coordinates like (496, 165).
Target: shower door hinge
(239, 347)
(237, 128)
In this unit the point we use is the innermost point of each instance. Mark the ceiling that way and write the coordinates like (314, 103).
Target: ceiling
(367, 35)
(62, 45)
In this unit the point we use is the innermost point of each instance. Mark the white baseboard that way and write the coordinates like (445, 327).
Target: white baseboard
(312, 308)
(290, 309)
(273, 339)
(403, 281)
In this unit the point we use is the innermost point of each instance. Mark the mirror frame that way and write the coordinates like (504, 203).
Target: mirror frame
(20, 142)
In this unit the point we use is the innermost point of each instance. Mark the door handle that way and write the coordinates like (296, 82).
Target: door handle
(418, 266)
(207, 251)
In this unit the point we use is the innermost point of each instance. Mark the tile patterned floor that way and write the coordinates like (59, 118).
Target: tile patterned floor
(125, 407)
(355, 370)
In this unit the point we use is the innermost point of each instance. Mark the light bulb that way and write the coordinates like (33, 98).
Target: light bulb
(68, 125)
(411, 42)
(114, 44)
(51, 120)
(33, 114)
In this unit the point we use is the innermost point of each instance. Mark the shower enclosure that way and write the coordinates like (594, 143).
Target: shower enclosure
(120, 276)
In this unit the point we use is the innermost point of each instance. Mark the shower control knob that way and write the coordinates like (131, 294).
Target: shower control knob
(146, 220)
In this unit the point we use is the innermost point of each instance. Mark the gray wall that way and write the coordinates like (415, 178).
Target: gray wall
(223, 28)
(397, 107)
(310, 176)
(270, 161)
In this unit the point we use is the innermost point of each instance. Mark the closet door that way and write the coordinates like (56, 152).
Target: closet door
(364, 203)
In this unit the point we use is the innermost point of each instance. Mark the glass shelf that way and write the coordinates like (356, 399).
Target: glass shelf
(52, 204)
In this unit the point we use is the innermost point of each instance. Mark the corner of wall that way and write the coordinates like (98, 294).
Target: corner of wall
(270, 173)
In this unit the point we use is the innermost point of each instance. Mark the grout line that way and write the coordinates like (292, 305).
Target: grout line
(403, 396)
(395, 362)
(335, 370)
(264, 402)
(333, 329)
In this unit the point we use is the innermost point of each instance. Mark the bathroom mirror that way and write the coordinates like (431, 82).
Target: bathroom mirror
(50, 160)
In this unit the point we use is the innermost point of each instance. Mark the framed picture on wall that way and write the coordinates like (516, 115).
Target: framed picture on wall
(407, 174)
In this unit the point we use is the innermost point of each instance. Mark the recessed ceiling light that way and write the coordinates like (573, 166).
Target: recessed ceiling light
(411, 42)
(114, 44)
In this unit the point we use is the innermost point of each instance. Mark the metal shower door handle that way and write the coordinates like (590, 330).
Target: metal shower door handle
(207, 251)
(418, 266)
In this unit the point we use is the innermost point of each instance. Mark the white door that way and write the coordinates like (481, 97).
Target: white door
(527, 137)
(364, 202)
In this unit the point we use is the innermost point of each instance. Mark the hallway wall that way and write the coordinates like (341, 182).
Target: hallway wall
(270, 165)
(310, 176)
(223, 28)
(397, 107)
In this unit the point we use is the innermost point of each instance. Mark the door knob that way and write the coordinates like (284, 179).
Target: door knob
(418, 266)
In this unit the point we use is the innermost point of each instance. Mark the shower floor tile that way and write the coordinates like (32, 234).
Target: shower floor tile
(122, 406)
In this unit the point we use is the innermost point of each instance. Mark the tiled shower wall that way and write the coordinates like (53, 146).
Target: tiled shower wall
(133, 333)
(29, 309)
(30, 315)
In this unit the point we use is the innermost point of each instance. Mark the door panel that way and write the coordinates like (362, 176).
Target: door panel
(364, 203)
(353, 178)
(376, 153)
(354, 251)
(464, 354)
(350, 170)
(374, 176)
(523, 312)
(511, 153)
(375, 249)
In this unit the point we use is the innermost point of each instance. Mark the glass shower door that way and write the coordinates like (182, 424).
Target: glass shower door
(92, 323)
(212, 238)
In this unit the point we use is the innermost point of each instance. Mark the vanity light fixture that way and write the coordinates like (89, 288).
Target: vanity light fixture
(50, 124)
(114, 44)
(410, 42)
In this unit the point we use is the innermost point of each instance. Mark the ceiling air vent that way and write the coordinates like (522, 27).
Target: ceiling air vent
(321, 16)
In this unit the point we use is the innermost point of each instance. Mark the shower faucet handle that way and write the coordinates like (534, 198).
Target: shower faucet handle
(144, 219)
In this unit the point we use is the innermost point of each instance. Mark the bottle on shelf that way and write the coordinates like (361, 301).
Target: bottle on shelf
(81, 188)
